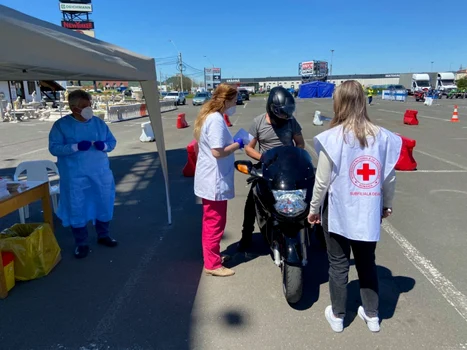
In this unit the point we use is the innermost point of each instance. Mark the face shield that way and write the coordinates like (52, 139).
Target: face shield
(283, 112)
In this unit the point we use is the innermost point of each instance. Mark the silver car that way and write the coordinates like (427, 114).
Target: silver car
(200, 98)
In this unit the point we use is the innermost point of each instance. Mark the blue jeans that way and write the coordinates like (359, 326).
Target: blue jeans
(81, 233)
(370, 99)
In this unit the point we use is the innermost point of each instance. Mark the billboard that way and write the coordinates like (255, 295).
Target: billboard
(212, 78)
(313, 68)
(80, 25)
(75, 7)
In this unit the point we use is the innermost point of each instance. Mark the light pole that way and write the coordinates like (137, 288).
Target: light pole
(432, 65)
(332, 56)
(180, 65)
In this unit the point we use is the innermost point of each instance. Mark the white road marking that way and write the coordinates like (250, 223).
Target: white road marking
(418, 116)
(452, 295)
(427, 117)
(236, 120)
(31, 152)
(447, 190)
(441, 159)
(386, 110)
(244, 106)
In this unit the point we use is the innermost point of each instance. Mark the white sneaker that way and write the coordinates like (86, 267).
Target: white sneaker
(337, 324)
(371, 322)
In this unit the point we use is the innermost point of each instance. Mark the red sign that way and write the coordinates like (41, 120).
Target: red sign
(84, 25)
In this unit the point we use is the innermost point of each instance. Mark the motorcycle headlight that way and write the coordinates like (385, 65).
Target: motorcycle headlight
(290, 203)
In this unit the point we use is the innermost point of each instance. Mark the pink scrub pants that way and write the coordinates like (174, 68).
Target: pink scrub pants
(214, 220)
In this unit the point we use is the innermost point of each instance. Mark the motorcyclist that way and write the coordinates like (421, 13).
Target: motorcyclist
(277, 127)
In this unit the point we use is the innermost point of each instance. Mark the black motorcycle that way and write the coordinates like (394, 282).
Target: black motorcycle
(283, 189)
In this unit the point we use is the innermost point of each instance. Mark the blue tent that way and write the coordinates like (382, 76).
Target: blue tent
(316, 89)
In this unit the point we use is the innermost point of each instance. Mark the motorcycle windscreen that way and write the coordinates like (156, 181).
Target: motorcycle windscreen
(288, 168)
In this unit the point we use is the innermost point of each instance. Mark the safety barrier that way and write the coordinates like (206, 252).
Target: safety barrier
(192, 153)
(410, 117)
(406, 160)
(394, 95)
(119, 113)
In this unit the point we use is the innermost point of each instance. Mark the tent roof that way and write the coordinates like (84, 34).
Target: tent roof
(33, 49)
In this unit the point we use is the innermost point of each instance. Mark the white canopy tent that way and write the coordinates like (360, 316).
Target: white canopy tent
(33, 49)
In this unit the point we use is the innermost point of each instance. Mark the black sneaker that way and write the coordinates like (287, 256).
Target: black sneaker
(108, 242)
(81, 251)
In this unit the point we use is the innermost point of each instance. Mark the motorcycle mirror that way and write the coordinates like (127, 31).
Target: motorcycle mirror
(244, 166)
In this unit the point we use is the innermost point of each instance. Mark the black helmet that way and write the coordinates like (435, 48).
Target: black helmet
(280, 106)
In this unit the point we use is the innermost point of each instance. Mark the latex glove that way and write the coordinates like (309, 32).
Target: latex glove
(240, 142)
(100, 145)
(314, 218)
(84, 145)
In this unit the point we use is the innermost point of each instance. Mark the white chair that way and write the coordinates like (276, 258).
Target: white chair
(37, 170)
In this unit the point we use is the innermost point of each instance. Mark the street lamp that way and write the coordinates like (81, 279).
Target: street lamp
(332, 56)
(432, 65)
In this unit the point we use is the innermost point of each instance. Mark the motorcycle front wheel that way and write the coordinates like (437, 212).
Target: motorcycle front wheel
(292, 282)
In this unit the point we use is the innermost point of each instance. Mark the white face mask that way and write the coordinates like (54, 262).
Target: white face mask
(231, 111)
(87, 113)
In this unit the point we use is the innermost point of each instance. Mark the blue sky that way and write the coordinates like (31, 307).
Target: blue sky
(259, 38)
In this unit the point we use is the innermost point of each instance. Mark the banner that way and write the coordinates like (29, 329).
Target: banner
(394, 95)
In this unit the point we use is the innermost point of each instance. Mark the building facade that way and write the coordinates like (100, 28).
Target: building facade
(265, 84)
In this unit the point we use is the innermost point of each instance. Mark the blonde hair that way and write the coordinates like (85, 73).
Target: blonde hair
(223, 92)
(350, 112)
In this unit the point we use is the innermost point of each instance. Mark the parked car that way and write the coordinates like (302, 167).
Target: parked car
(239, 99)
(178, 98)
(245, 94)
(200, 98)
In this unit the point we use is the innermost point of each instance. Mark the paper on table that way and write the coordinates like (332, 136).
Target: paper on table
(244, 135)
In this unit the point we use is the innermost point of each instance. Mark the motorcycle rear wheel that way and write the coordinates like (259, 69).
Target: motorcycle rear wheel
(292, 283)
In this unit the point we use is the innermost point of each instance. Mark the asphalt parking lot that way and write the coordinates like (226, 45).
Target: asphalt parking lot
(149, 293)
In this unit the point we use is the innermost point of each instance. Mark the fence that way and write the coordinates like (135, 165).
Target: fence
(137, 110)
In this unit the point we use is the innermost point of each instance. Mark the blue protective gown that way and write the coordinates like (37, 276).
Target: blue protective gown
(87, 187)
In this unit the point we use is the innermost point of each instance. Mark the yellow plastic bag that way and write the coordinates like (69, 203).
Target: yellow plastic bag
(35, 247)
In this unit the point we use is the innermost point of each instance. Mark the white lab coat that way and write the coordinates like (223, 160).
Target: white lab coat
(214, 178)
(355, 192)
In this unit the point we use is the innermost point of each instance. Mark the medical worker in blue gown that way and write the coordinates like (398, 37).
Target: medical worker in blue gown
(81, 142)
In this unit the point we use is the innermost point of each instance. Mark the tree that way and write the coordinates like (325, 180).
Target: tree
(175, 81)
(462, 83)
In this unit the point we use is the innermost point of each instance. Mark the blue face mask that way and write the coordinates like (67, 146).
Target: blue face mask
(231, 111)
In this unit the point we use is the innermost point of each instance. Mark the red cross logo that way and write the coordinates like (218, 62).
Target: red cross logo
(366, 172)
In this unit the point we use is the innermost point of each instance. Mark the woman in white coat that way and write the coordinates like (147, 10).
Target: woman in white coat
(354, 186)
(214, 175)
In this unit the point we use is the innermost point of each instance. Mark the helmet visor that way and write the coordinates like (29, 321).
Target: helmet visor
(284, 112)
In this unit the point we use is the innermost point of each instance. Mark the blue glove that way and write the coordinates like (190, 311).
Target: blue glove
(84, 145)
(100, 145)
(240, 142)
